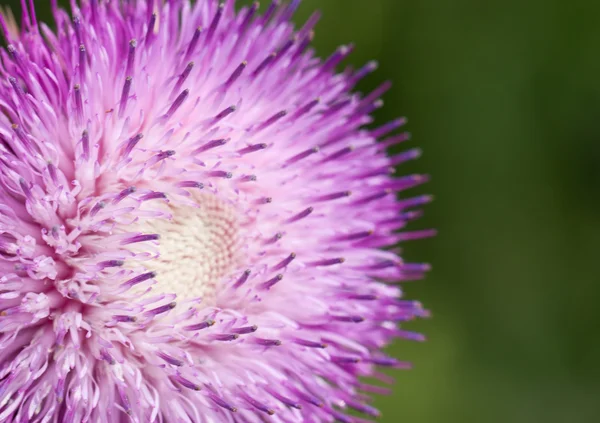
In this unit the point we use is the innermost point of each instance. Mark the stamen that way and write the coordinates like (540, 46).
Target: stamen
(190, 184)
(285, 48)
(110, 263)
(248, 18)
(301, 156)
(94, 8)
(363, 408)
(369, 99)
(125, 95)
(85, 145)
(124, 319)
(344, 151)
(139, 279)
(406, 156)
(374, 197)
(289, 11)
(243, 28)
(82, 62)
(269, 12)
(104, 354)
(310, 344)
(169, 359)
(268, 342)
(25, 188)
(389, 362)
(306, 108)
(349, 318)
(209, 145)
(362, 72)
(215, 22)
(186, 383)
(193, 42)
(257, 404)
(334, 108)
(309, 398)
(363, 297)
(225, 337)
(264, 200)
(327, 262)
(242, 279)
(388, 127)
(382, 171)
(126, 192)
(377, 104)
(378, 390)
(271, 121)
(303, 45)
(274, 238)
(300, 215)
(78, 102)
(245, 330)
(287, 401)
(263, 64)
(409, 335)
(14, 55)
(199, 326)
(271, 282)
(340, 54)
(229, 110)
(177, 103)
(130, 68)
(221, 402)
(186, 72)
(27, 144)
(415, 201)
(415, 267)
(220, 174)
(162, 155)
(310, 23)
(154, 195)
(162, 309)
(337, 136)
(140, 238)
(99, 206)
(53, 174)
(354, 236)
(334, 196)
(340, 359)
(248, 178)
(340, 417)
(131, 144)
(284, 263)
(236, 74)
(252, 148)
(150, 31)
(385, 264)
(396, 139)
(77, 28)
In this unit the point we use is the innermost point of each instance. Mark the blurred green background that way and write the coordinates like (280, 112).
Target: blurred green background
(504, 98)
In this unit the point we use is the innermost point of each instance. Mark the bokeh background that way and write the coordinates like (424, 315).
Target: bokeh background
(504, 98)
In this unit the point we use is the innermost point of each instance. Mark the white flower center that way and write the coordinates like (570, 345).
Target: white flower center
(197, 248)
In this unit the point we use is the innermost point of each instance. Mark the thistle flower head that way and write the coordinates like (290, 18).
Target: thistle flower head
(192, 219)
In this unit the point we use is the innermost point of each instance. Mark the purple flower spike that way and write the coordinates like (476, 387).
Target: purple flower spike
(193, 219)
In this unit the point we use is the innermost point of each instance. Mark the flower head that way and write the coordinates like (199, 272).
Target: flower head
(192, 219)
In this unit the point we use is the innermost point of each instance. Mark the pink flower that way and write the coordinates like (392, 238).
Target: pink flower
(192, 216)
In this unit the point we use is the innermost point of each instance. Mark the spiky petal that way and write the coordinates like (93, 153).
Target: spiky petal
(191, 216)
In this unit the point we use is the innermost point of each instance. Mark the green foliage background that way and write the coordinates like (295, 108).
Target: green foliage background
(504, 97)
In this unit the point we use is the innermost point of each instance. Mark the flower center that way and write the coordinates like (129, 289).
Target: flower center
(198, 246)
